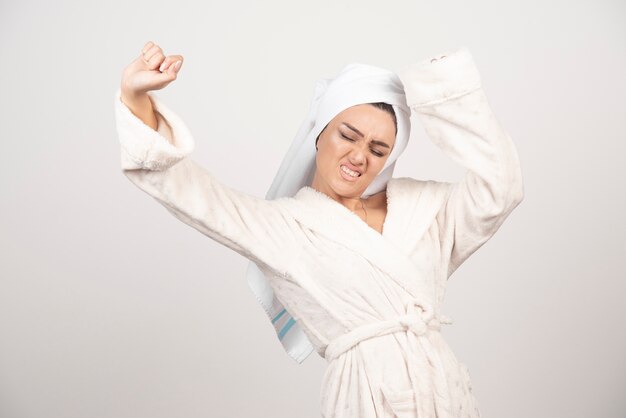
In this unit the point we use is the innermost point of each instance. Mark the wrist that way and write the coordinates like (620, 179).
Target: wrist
(132, 94)
(133, 98)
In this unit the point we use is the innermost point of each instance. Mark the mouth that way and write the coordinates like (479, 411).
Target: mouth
(349, 174)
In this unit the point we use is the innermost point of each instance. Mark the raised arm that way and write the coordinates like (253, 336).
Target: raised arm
(445, 92)
(159, 163)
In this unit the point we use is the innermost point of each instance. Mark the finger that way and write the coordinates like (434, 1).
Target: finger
(155, 61)
(170, 73)
(175, 67)
(169, 61)
(166, 62)
(146, 46)
(150, 53)
(145, 51)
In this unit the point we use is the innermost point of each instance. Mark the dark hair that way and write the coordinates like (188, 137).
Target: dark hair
(389, 109)
(380, 105)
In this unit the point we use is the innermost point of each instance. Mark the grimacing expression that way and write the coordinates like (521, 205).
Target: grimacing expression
(360, 137)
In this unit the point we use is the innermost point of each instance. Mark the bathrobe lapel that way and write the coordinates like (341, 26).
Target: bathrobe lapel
(406, 208)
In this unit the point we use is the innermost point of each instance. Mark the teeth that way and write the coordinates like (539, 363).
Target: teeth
(350, 172)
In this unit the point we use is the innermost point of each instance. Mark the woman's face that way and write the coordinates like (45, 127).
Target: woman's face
(360, 138)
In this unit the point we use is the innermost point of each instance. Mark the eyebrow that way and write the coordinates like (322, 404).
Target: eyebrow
(374, 141)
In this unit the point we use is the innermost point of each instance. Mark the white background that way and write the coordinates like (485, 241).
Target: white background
(110, 307)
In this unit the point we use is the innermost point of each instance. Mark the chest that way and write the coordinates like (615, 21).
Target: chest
(376, 212)
(356, 266)
(376, 218)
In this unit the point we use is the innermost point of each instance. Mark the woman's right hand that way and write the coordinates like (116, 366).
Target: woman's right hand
(151, 70)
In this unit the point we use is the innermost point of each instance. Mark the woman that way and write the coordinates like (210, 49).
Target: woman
(347, 260)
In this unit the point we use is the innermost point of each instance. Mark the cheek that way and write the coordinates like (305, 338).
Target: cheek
(376, 166)
(326, 159)
(335, 150)
(336, 144)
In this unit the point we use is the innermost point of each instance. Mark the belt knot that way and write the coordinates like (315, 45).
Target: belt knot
(419, 318)
(414, 323)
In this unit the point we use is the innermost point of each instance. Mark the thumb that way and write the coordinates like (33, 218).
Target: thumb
(169, 74)
(173, 68)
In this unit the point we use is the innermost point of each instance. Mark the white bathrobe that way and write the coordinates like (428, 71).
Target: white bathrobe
(369, 302)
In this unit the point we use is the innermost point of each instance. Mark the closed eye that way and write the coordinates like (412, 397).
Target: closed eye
(376, 153)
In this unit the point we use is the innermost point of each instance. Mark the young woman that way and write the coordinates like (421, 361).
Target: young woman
(347, 260)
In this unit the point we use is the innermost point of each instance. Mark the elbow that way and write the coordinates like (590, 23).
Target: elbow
(511, 178)
(518, 196)
(515, 188)
(507, 192)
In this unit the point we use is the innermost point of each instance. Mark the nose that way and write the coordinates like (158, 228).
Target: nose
(357, 155)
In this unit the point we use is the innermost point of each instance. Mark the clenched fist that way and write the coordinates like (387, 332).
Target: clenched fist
(151, 70)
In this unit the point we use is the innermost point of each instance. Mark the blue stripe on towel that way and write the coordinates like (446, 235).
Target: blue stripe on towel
(288, 325)
(279, 315)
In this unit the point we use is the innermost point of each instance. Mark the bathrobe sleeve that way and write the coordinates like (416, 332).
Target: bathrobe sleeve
(159, 163)
(450, 103)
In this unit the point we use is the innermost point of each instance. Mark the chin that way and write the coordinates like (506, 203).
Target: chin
(346, 189)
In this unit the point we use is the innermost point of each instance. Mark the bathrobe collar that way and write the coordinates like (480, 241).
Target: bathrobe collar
(318, 211)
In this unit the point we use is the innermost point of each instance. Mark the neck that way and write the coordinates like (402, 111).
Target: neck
(354, 203)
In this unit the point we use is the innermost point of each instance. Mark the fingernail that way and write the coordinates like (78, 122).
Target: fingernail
(161, 67)
(177, 65)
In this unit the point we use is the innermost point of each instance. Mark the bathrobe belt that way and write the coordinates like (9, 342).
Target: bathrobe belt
(419, 318)
(416, 322)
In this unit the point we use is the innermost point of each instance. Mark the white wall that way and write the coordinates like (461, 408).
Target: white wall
(110, 307)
